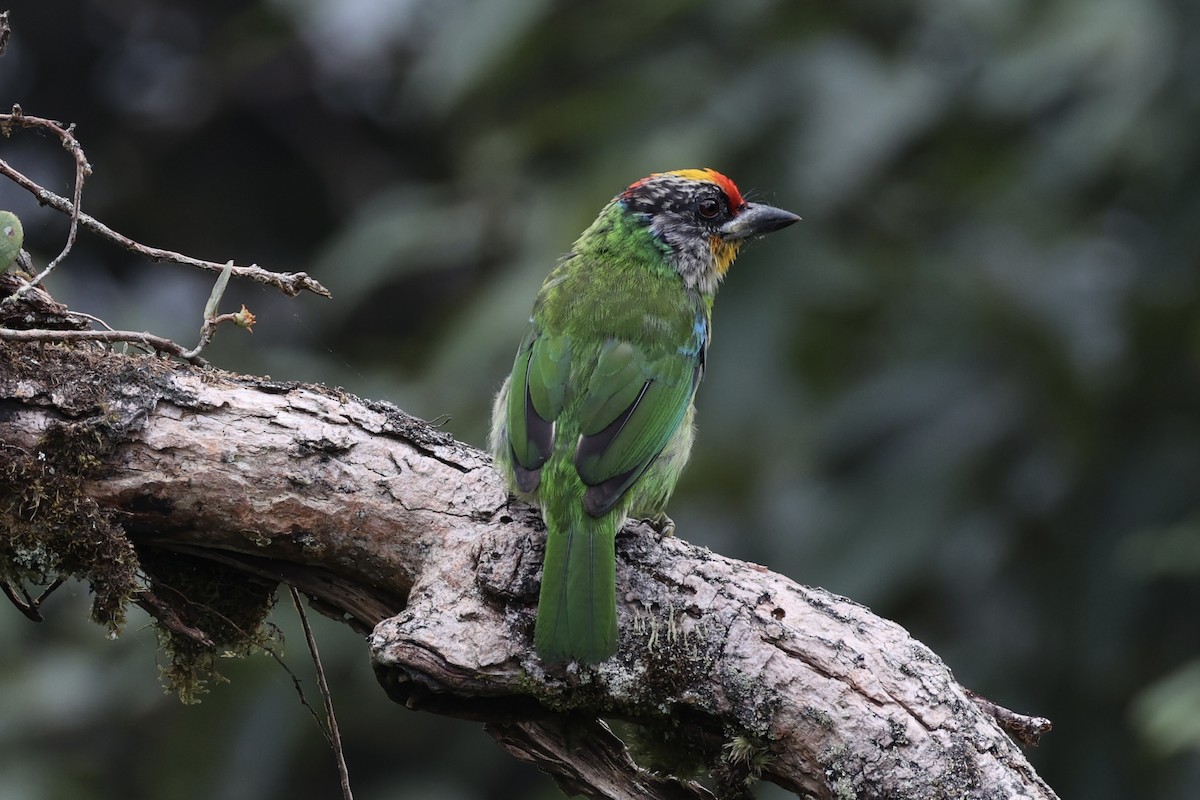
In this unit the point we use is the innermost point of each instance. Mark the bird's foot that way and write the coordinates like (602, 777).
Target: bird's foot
(662, 524)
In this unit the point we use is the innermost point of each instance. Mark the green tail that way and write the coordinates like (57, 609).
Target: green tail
(577, 608)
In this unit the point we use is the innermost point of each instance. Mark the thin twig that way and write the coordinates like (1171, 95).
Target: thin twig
(156, 608)
(335, 735)
(242, 318)
(271, 651)
(82, 169)
(96, 320)
(291, 283)
(148, 340)
(30, 606)
(23, 604)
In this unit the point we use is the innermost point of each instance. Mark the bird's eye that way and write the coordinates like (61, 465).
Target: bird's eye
(708, 208)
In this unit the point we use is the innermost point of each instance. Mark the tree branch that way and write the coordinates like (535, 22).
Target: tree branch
(386, 521)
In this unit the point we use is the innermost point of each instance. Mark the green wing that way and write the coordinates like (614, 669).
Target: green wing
(535, 399)
(633, 406)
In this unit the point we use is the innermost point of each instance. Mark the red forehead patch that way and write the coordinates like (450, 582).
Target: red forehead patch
(728, 186)
(708, 176)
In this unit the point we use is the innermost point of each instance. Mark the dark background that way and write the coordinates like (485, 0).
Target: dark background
(964, 391)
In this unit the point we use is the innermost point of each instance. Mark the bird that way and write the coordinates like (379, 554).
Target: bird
(595, 422)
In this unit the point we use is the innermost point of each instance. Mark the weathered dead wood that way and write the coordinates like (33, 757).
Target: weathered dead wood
(372, 513)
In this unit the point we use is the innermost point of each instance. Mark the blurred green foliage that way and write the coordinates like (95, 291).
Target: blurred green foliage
(965, 390)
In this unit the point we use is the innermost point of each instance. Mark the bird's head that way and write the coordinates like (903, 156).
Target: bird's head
(701, 219)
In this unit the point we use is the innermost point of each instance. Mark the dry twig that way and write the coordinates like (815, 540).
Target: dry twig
(27, 605)
(335, 736)
(149, 602)
(82, 169)
(157, 344)
(291, 283)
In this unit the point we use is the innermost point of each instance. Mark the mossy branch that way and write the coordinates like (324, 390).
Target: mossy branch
(190, 483)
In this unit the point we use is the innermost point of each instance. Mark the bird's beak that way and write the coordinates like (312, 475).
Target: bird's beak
(756, 219)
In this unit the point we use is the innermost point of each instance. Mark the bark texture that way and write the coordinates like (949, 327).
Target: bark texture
(724, 666)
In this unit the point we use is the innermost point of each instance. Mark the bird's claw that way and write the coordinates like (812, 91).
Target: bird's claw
(662, 524)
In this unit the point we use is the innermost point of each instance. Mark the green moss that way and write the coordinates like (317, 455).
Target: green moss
(223, 604)
(50, 529)
(53, 530)
(745, 759)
